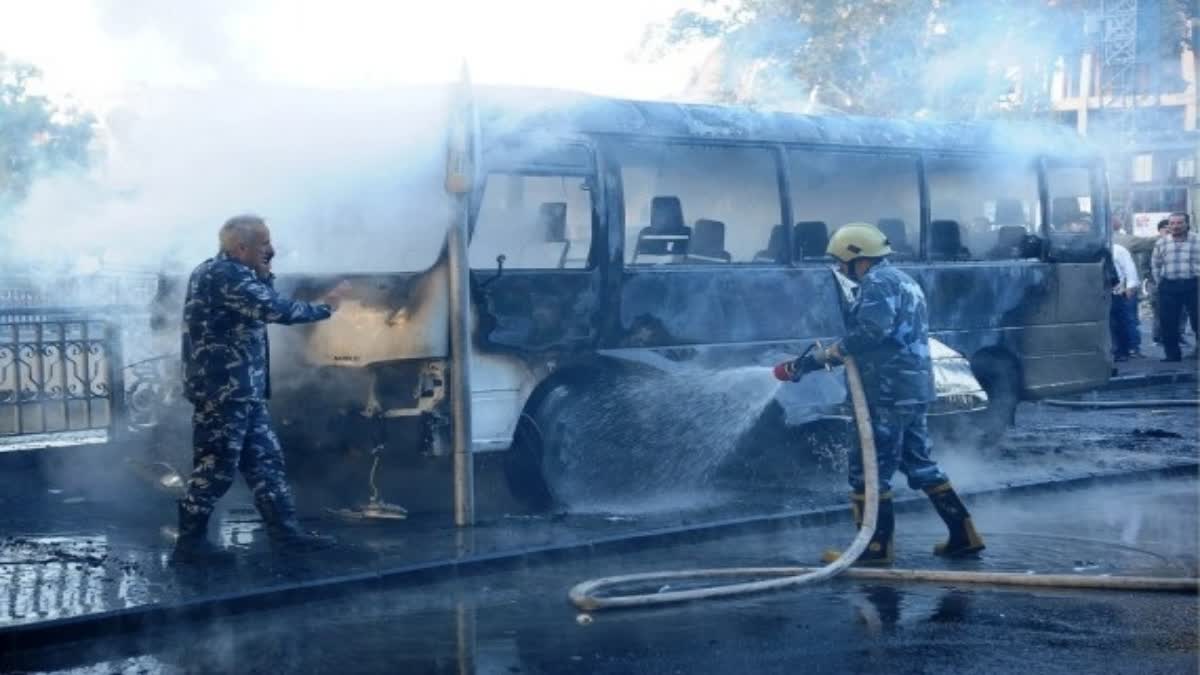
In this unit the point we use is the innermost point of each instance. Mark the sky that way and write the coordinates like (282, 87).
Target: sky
(104, 53)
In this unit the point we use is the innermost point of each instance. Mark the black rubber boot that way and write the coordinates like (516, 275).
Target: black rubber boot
(964, 540)
(192, 545)
(284, 531)
(881, 549)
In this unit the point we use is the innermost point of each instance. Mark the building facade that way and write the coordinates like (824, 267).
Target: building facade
(1134, 89)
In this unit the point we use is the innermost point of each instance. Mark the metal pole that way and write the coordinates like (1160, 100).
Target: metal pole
(460, 370)
(461, 166)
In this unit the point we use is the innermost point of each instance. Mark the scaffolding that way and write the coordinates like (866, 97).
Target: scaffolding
(1118, 85)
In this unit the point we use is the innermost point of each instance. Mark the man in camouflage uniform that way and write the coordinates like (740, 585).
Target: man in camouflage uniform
(230, 301)
(888, 336)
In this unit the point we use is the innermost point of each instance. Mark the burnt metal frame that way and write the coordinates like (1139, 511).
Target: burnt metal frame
(64, 358)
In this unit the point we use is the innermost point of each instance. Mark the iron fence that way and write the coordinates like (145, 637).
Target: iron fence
(57, 374)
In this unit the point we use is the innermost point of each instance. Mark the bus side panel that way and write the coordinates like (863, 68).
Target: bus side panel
(987, 295)
(536, 310)
(1016, 308)
(526, 321)
(717, 305)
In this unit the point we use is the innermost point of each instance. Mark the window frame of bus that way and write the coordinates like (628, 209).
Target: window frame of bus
(1035, 164)
(918, 160)
(1101, 222)
(589, 172)
(611, 146)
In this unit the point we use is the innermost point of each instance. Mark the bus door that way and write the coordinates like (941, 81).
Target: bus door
(535, 281)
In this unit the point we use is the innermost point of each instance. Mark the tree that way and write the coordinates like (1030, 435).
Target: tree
(945, 58)
(36, 136)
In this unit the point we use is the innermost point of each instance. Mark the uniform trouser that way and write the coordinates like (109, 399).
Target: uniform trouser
(1176, 297)
(901, 442)
(236, 435)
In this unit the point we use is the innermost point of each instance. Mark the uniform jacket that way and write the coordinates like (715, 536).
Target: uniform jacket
(888, 335)
(226, 356)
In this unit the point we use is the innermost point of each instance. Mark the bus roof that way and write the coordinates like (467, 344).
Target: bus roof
(517, 110)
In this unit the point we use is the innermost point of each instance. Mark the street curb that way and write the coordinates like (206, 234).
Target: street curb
(1149, 379)
(153, 617)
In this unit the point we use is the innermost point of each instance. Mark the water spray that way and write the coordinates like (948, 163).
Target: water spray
(592, 595)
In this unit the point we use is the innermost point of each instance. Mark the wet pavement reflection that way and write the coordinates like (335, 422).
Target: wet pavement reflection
(63, 557)
(520, 622)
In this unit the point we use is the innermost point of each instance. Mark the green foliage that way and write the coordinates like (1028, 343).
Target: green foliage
(946, 58)
(35, 135)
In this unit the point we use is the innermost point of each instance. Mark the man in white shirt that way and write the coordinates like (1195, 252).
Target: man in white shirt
(1122, 317)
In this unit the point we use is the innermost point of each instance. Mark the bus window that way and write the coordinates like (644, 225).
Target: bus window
(697, 204)
(1074, 230)
(534, 221)
(830, 189)
(982, 208)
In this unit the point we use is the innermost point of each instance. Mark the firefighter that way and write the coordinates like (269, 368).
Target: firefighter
(887, 334)
(230, 300)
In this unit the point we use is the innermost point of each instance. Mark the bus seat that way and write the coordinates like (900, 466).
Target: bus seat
(945, 241)
(1063, 211)
(708, 242)
(811, 238)
(666, 235)
(776, 247)
(1010, 212)
(896, 233)
(552, 218)
(1010, 242)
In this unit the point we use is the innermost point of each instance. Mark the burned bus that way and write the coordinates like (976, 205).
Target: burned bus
(619, 246)
(636, 266)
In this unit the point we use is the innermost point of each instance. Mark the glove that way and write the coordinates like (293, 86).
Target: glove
(790, 371)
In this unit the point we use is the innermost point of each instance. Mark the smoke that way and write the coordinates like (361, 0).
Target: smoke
(938, 59)
(348, 182)
(198, 34)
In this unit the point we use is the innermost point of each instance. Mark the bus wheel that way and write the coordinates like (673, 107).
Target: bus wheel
(999, 379)
(581, 446)
(523, 466)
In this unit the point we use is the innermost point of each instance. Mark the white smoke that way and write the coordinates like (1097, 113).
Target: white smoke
(349, 181)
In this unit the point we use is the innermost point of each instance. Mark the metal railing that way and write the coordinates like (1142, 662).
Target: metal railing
(57, 376)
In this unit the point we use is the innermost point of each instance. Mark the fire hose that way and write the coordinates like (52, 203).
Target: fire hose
(595, 594)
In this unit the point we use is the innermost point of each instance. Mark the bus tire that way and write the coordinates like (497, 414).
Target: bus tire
(523, 467)
(537, 435)
(999, 378)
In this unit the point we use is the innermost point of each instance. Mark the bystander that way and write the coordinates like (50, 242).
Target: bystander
(1122, 318)
(1176, 267)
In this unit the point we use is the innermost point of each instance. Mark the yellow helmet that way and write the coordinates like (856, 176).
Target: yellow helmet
(858, 240)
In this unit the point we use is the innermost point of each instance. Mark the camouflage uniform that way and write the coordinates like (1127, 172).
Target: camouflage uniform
(227, 378)
(888, 336)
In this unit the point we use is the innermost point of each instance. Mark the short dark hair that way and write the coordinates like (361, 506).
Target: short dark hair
(1187, 220)
(1162, 224)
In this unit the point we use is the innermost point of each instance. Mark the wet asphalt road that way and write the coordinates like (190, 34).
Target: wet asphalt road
(67, 552)
(520, 622)
(99, 557)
